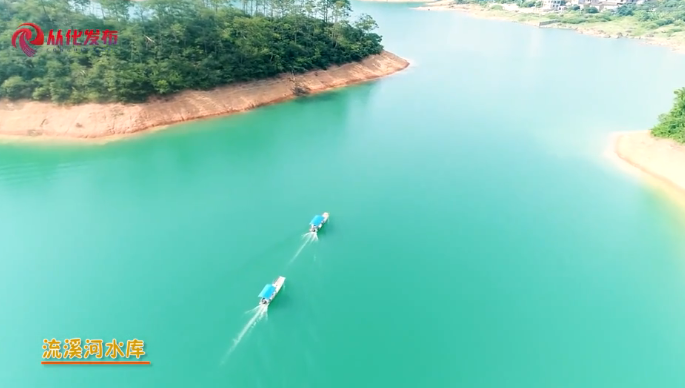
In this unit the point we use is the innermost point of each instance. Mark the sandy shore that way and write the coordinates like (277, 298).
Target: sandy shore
(661, 158)
(42, 120)
(515, 14)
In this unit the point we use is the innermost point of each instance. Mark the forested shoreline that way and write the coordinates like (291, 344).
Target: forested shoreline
(647, 16)
(166, 46)
(672, 124)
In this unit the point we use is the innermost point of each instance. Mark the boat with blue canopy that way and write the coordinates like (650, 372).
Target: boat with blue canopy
(270, 291)
(317, 222)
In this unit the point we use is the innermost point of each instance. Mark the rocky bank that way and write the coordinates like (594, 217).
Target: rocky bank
(97, 121)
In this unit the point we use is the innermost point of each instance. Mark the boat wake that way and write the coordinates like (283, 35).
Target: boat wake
(258, 313)
(308, 238)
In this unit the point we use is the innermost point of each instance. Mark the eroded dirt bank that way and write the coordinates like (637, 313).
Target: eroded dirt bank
(93, 121)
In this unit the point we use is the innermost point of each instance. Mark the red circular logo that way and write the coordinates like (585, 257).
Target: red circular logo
(24, 36)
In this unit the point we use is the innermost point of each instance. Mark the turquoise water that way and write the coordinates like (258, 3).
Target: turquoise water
(479, 237)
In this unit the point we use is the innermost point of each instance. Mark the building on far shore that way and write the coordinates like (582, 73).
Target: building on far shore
(608, 5)
(602, 5)
(614, 4)
(551, 5)
(584, 3)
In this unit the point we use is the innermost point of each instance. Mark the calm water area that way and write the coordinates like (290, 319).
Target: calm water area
(479, 235)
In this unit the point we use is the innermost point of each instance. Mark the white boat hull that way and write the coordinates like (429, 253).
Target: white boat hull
(278, 284)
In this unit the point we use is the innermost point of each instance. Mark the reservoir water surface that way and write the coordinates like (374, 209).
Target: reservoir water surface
(479, 236)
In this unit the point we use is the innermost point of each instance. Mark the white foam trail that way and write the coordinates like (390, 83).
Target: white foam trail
(259, 312)
(308, 237)
(253, 310)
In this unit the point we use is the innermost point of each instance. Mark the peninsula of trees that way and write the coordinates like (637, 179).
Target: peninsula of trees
(672, 124)
(166, 46)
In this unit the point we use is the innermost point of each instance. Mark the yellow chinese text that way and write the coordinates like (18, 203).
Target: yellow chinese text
(52, 349)
(134, 347)
(114, 348)
(93, 348)
(72, 348)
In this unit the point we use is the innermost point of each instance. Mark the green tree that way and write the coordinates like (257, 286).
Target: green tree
(626, 10)
(672, 124)
(165, 46)
(16, 87)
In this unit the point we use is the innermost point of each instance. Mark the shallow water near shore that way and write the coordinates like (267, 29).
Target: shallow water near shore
(478, 237)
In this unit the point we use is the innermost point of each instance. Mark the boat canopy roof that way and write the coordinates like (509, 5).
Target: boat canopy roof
(316, 220)
(267, 291)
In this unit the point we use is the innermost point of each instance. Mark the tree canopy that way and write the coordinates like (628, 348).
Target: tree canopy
(165, 46)
(672, 124)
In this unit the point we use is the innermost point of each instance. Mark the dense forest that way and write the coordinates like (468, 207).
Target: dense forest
(165, 46)
(672, 124)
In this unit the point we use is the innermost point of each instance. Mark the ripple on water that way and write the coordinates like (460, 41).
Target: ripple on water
(29, 172)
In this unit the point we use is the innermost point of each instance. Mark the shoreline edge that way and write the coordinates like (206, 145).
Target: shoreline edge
(24, 119)
(662, 159)
(596, 30)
